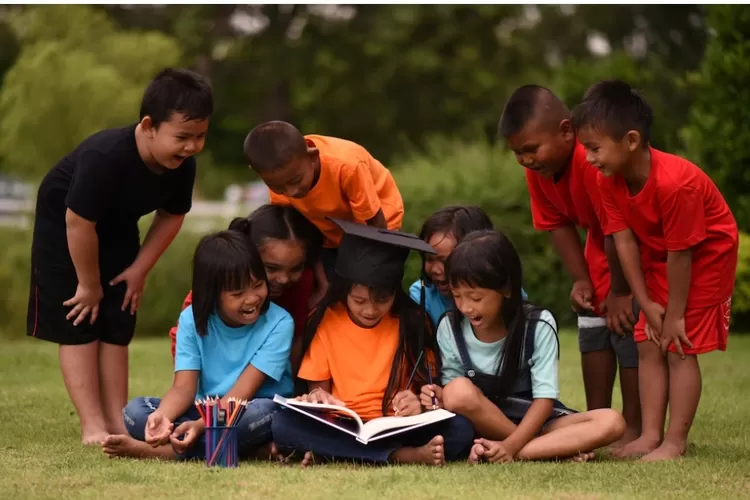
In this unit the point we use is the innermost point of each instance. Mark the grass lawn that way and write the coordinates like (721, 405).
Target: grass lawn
(40, 454)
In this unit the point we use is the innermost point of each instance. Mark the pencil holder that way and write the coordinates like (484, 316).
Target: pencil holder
(221, 447)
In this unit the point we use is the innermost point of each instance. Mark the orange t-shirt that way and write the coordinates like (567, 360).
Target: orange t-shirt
(352, 186)
(357, 360)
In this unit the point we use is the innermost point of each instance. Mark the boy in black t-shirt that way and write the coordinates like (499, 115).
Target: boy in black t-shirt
(88, 265)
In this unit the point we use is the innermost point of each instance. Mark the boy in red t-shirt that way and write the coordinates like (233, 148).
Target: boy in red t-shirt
(536, 126)
(678, 242)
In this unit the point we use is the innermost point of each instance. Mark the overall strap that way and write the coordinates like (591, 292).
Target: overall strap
(529, 337)
(463, 352)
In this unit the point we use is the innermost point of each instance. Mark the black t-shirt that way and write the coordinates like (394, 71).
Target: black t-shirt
(105, 180)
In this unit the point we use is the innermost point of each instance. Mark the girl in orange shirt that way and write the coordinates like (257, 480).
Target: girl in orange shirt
(360, 348)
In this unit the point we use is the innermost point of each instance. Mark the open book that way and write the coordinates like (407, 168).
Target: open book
(345, 420)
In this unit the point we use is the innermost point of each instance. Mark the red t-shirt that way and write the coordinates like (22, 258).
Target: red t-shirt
(679, 208)
(572, 199)
(294, 300)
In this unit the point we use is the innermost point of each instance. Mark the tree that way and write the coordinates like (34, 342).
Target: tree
(76, 74)
(719, 129)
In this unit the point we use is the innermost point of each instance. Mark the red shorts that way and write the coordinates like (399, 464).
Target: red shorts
(706, 327)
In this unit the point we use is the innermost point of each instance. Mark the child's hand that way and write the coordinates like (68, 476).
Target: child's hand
(427, 393)
(406, 404)
(619, 310)
(318, 395)
(581, 296)
(674, 331)
(190, 432)
(85, 303)
(135, 279)
(158, 429)
(494, 451)
(654, 320)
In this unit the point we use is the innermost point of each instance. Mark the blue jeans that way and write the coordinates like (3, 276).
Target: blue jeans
(253, 429)
(293, 431)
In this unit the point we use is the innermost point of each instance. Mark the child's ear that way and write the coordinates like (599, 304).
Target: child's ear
(633, 138)
(147, 125)
(313, 152)
(566, 129)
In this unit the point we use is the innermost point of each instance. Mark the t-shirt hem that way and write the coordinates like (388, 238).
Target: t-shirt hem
(686, 244)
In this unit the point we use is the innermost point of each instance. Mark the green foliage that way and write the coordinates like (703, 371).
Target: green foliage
(480, 174)
(719, 129)
(63, 87)
(741, 297)
(15, 275)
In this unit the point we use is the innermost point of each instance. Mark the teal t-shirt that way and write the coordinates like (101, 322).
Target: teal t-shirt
(485, 357)
(435, 304)
(224, 352)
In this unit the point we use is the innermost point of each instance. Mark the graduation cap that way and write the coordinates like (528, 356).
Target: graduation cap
(373, 256)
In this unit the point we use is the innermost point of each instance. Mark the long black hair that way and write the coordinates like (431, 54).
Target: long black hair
(410, 345)
(226, 260)
(487, 259)
(274, 222)
(456, 221)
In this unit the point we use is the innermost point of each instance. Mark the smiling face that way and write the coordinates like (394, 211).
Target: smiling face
(284, 261)
(174, 140)
(482, 306)
(542, 147)
(609, 155)
(434, 265)
(242, 307)
(296, 178)
(365, 308)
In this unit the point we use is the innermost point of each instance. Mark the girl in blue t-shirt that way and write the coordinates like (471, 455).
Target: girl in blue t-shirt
(443, 230)
(231, 342)
(499, 363)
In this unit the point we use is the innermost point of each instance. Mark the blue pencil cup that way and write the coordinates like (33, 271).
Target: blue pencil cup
(221, 447)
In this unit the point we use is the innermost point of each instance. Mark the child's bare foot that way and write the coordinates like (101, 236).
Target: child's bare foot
(307, 460)
(268, 452)
(638, 448)
(123, 445)
(668, 450)
(630, 435)
(476, 454)
(432, 453)
(93, 437)
(583, 457)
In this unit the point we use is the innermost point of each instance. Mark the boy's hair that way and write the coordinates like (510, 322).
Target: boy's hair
(275, 222)
(177, 90)
(487, 259)
(614, 107)
(226, 260)
(273, 145)
(523, 105)
(407, 352)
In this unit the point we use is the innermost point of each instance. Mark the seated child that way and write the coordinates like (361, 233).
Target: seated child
(678, 242)
(232, 342)
(363, 342)
(492, 347)
(443, 230)
(324, 177)
(288, 245)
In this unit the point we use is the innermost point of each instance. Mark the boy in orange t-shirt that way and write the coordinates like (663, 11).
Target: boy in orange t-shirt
(324, 177)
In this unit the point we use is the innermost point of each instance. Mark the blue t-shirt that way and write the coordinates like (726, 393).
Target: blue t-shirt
(435, 304)
(485, 356)
(224, 352)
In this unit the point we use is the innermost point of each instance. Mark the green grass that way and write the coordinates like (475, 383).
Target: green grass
(40, 455)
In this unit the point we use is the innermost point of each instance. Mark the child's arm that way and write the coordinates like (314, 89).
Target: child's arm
(162, 232)
(567, 242)
(321, 281)
(618, 305)
(179, 398)
(83, 244)
(679, 266)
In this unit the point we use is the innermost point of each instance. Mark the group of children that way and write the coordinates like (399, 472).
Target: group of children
(304, 297)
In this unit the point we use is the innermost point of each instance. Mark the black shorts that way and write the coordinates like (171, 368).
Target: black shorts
(53, 285)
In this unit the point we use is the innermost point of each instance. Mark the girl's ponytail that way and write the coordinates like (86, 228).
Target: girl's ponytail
(242, 225)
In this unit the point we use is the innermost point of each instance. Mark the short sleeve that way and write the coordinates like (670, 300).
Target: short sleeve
(360, 191)
(452, 367)
(179, 198)
(543, 363)
(188, 354)
(273, 356)
(613, 222)
(415, 291)
(278, 199)
(314, 366)
(683, 218)
(544, 215)
(94, 185)
(591, 183)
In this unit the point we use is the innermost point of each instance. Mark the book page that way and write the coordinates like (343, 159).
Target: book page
(382, 424)
(318, 408)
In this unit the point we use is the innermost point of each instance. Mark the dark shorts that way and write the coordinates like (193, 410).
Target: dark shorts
(594, 336)
(51, 286)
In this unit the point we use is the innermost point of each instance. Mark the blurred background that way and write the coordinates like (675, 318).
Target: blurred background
(421, 87)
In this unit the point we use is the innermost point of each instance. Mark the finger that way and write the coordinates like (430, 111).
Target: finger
(94, 313)
(82, 316)
(117, 279)
(616, 325)
(71, 301)
(74, 312)
(135, 302)
(678, 346)
(181, 429)
(625, 322)
(126, 300)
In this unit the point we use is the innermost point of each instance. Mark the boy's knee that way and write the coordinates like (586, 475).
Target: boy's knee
(461, 396)
(136, 413)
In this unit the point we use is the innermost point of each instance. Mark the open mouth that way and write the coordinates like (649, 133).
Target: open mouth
(248, 312)
(475, 320)
(179, 158)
